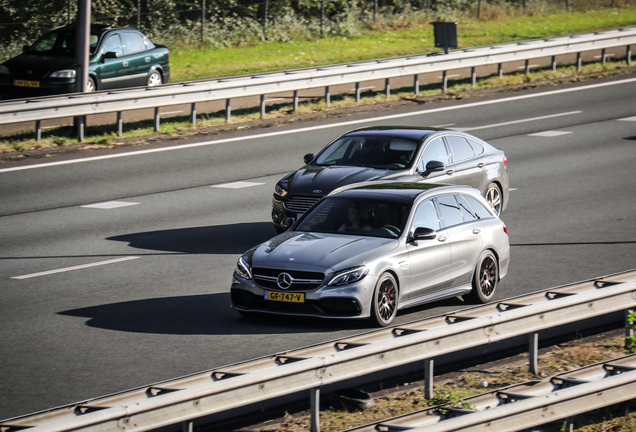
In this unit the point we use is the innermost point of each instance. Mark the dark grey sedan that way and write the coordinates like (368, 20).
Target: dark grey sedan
(396, 153)
(376, 247)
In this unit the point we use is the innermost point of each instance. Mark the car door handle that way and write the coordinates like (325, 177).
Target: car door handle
(125, 64)
(481, 165)
(450, 172)
(147, 59)
(441, 238)
(476, 230)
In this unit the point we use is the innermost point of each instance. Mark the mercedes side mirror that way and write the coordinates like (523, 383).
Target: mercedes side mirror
(433, 166)
(422, 233)
(308, 158)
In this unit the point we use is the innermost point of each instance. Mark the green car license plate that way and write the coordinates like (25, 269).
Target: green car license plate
(285, 297)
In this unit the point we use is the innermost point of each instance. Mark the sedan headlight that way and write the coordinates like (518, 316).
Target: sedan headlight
(243, 269)
(4, 69)
(349, 276)
(66, 73)
(280, 191)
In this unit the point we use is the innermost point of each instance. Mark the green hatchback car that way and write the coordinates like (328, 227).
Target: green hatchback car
(119, 57)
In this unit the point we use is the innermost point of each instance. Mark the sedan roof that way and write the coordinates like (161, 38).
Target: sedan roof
(416, 133)
(406, 192)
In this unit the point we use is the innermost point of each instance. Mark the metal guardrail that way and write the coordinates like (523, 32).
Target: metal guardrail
(210, 392)
(73, 105)
(526, 405)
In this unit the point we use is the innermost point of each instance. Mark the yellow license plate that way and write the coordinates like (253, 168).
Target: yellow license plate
(23, 83)
(285, 297)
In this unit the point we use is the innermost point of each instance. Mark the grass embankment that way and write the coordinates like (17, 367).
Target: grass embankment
(463, 384)
(190, 63)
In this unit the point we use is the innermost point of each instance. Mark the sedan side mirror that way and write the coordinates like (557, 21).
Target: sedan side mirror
(288, 222)
(422, 233)
(110, 54)
(308, 157)
(433, 166)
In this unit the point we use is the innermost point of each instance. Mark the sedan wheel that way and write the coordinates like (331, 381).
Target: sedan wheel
(384, 303)
(494, 198)
(90, 85)
(485, 279)
(154, 79)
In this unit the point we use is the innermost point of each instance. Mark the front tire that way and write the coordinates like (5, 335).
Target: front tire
(494, 198)
(90, 85)
(385, 300)
(485, 279)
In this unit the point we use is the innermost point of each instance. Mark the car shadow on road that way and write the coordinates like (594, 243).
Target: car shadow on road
(217, 239)
(206, 314)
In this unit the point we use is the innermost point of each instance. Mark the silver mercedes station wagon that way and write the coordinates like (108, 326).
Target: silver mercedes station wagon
(370, 249)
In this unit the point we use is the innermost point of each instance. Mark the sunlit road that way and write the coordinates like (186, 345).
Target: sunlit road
(97, 298)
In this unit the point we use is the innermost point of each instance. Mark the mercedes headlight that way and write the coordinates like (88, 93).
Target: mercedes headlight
(243, 269)
(349, 276)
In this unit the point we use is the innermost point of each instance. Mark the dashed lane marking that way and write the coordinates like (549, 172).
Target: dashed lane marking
(109, 205)
(66, 269)
(237, 185)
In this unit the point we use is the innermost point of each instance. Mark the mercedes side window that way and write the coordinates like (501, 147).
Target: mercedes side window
(426, 216)
(477, 207)
(113, 44)
(467, 212)
(460, 148)
(450, 211)
(434, 151)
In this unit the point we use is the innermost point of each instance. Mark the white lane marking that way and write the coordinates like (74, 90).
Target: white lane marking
(109, 205)
(518, 121)
(313, 128)
(513, 189)
(549, 134)
(628, 119)
(237, 185)
(66, 269)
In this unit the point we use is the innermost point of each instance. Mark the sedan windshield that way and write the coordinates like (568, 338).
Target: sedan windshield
(384, 152)
(365, 217)
(61, 42)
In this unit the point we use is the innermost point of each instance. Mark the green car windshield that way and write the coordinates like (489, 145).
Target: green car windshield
(61, 43)
(357, 216)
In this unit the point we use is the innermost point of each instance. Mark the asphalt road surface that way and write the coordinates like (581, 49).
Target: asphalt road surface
(115, 269)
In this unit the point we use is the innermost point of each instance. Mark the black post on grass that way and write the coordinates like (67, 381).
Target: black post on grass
(445, 35)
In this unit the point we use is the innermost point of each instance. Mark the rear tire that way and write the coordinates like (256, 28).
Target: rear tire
(494, 198)
(485, 279)
(90, 85)
(385, 300)
(154, 79)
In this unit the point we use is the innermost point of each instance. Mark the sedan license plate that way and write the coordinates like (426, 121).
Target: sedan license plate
(285, 297)
(24, 83)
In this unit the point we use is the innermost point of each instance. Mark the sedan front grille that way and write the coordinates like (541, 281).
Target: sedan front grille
(300, 280)
(300, 204)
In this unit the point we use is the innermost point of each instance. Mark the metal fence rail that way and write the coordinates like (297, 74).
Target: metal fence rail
(75, 105)
(205, 393)
(526, 405)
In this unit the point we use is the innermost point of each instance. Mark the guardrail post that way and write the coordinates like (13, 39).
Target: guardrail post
(187, 426)
(327, 97)
(295, 100)
(262, 106)
(315, 410)
(500, 70)
(228, 110)
(357, 92)
(554, 64)
(193, 114)
(629, 328)
(579, 61)
(603, 56)
(444, 81)
(38, 130)
(628, 54)
(416, 85)
(533, 353)
(387, 88)
(527, 67)
(157, 119)
(120, 124)
(428, 379)
(473, 76)
(81, 123)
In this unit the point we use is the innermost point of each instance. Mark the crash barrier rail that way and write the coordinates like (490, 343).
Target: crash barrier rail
(184, 399)
(82, 104)
(523, 406)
